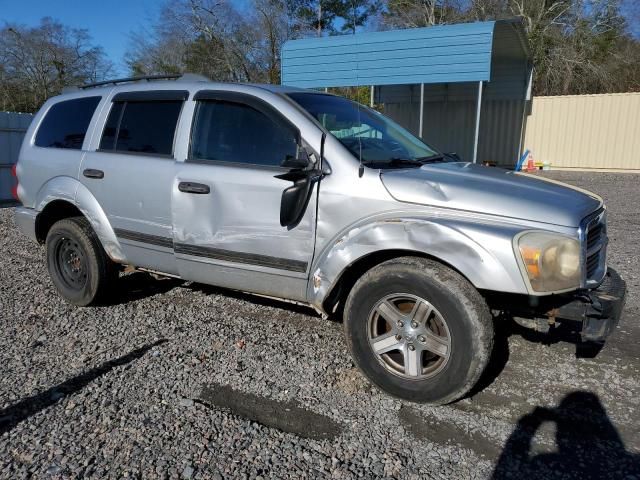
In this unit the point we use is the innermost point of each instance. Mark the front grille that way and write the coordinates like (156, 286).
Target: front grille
(594, 235)
(594, 231)
(593, 261)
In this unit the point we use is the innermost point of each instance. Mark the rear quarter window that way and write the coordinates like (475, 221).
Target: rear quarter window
(142, 127)
(65, 124)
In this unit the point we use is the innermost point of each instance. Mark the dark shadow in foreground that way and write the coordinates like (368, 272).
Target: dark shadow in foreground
(13, 415)
(587, 444)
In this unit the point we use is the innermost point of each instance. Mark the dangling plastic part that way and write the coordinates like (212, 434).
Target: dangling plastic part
(361, 171)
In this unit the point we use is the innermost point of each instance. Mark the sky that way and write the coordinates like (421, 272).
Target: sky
(109, 22)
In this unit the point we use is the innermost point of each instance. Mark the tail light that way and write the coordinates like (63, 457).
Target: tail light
(14, 188)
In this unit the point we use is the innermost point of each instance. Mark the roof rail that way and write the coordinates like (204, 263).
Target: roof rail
(129, 79)
(184, 76)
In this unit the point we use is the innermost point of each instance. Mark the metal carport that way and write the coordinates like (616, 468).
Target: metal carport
(461, 87)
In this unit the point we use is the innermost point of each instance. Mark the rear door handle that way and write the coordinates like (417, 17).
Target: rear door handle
(191, 187)
(93, 173)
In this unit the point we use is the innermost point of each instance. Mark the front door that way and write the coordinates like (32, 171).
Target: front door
(226, 201)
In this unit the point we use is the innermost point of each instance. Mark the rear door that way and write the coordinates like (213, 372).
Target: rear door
(226, 200)
(131, 171)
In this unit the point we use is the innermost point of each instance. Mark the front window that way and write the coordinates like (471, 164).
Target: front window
(373, 138)
(238, 133)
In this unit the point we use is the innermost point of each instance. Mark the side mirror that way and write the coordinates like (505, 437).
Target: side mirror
(295, 198)
(299, 162)
(294, 201)
(454, 156)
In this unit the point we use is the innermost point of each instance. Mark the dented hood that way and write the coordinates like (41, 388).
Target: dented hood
(493, 191)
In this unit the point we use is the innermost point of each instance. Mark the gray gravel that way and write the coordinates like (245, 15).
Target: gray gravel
(116, 391)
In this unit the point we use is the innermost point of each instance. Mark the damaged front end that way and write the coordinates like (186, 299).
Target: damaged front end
(592, 314)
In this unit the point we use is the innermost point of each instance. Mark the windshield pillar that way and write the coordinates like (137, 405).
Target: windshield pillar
(477, 134)
(421, 124)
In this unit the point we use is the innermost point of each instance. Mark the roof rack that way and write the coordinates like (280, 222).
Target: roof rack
(148, 78)
(129, 79)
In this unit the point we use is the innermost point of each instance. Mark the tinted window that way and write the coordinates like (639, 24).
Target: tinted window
(147, 127)
(108, 141)
(66, 123)
(233, 132)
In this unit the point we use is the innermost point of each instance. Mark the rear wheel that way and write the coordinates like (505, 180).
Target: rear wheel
(419, 330)
(78, 265)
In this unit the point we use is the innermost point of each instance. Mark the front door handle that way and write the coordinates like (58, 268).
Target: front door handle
(93, 173)
(191, 187)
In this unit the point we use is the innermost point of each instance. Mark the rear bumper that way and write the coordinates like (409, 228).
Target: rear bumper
(598, 310)
(25, 218)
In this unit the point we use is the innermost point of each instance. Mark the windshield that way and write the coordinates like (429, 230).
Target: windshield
(369, 135)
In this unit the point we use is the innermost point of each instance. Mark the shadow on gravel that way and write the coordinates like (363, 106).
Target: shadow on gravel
(587, 444)
(255, 299)
(424, 427)
(13, 415)
(499, 356)
(506, 327)
(566, 332)
(285, 416)
(139, 285)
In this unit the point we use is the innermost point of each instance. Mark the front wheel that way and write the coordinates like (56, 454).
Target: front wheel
(418, 330)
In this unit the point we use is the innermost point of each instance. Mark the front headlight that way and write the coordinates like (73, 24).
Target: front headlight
(551, 261)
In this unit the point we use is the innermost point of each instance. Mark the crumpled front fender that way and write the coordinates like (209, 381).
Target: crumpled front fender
(482, 253)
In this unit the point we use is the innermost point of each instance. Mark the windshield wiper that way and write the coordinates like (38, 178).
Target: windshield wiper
(438, 157)
(405, 161)
(393, 162)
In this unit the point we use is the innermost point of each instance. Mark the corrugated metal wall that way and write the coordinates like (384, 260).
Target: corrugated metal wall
(586, 131)
(450, 112)
(12, 129)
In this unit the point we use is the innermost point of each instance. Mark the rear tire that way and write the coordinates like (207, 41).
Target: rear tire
(418, 330)
(79, 267)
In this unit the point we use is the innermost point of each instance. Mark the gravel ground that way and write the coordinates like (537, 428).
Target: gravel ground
(181, 380)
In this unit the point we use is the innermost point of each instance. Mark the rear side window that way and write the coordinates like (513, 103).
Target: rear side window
(142, 127)
(65, 124)
(238, 133)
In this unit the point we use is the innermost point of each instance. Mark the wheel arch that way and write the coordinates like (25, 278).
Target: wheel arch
(53, 212)
(364, 247)
(64, 197)
(350, 275)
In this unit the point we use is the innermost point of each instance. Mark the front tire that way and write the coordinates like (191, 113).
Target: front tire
(79, 267)
(418, 330)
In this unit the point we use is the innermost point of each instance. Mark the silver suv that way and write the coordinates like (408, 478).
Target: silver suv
(315, 199)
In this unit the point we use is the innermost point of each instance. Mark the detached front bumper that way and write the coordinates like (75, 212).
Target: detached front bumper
(598, 310)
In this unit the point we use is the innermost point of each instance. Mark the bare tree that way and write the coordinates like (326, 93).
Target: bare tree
(37, 62)
(421, 13)
(209, 37)
(577, 46)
